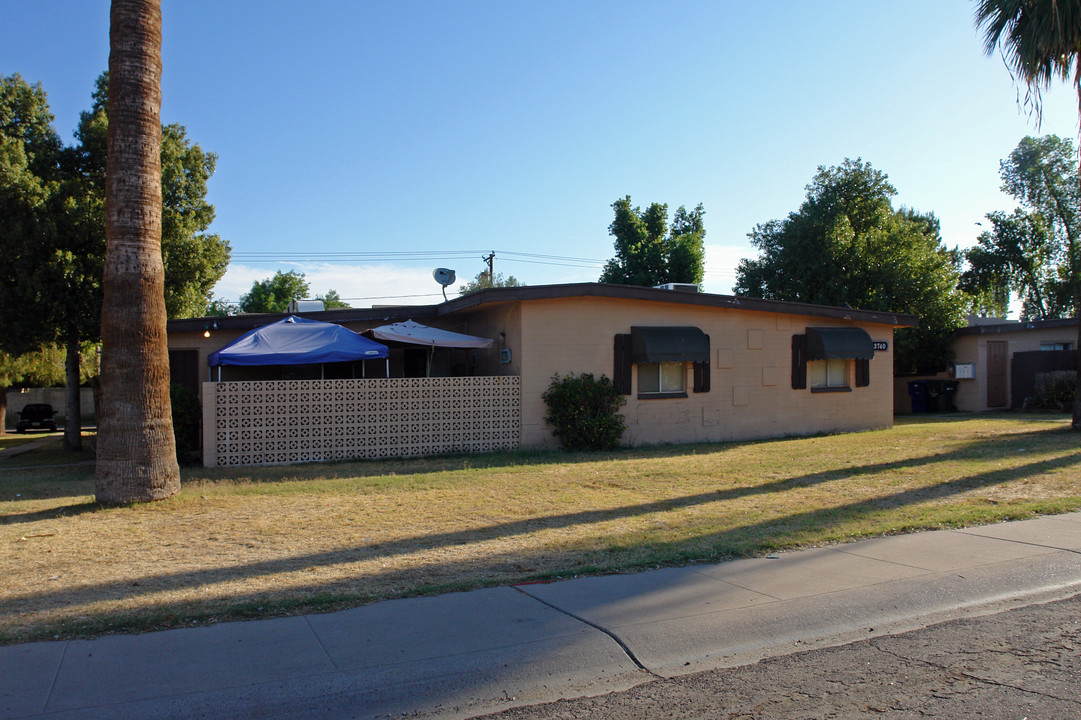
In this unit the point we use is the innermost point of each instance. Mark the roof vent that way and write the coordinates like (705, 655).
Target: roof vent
(681, 287)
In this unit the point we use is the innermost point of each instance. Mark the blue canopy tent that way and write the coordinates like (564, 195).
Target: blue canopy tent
(297, 341)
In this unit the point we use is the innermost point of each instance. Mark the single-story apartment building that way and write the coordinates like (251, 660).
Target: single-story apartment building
(995, 362)
(693, 367)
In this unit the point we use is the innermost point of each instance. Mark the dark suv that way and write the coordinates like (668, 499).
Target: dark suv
(36, 416)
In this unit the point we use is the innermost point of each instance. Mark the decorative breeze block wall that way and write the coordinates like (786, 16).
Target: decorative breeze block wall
(291, 421)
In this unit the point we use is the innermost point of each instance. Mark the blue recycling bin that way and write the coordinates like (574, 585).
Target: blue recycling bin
(917, 392)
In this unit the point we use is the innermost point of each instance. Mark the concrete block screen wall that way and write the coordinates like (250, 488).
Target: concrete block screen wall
(289, 421)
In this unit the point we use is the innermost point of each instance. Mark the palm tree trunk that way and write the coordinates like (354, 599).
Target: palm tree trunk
(1074, 260)
(136, 454)
(1076, 421)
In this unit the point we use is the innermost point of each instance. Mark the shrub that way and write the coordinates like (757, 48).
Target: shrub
(186, 419)
(582, 411)
(1055, 390)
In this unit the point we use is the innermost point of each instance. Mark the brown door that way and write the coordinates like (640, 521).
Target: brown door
(996, 374)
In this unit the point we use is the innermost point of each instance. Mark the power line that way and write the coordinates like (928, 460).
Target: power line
(437, 255)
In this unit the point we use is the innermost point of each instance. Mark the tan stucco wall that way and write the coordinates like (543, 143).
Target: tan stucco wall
(972, 394)
(751, 361)
(205, 346)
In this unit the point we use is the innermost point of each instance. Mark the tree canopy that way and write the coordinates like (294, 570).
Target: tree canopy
(194, 259)
(484, 280)
(848, 246)
(332, 300)
(52, 199)
(650, 253)
(1034, 250)
(273, 294)
(29, 180)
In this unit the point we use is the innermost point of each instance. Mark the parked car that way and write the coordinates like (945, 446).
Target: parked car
(36, 416)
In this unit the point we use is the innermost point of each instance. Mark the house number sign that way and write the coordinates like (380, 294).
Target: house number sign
(880, 345)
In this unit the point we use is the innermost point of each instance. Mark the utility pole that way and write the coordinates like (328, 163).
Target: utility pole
(490, 259)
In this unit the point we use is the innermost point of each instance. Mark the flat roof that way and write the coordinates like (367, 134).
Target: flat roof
(1017, 326)
(492, 296)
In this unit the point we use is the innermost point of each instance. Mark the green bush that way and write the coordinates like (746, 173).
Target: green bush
(186, 419)
(1055, 390)
(582, 411)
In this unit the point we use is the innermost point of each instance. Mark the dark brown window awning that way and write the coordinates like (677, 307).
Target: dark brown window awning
(669, 344)
(824, 343)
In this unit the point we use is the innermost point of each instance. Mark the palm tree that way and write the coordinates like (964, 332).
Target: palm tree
(1040, 41)
(136, 456)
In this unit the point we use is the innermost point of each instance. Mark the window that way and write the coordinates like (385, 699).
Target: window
(662, 355)
(822, 357)
(1056, 346)
(664, 378)
(829, 373)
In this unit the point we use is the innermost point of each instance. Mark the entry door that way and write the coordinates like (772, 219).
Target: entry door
(996, 374)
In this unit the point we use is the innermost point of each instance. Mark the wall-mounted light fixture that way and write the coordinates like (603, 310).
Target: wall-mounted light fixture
(208, 328)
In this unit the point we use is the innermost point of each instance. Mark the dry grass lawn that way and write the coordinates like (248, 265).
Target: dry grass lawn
(258, 542)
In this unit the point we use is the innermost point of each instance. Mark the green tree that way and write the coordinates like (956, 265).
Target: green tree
(1040, 41)
(848, 246)
(272, 295)
(484, 280)
(332, 300)
(54, 245)
(39, 206)
(220, 307)
(1016, 255)
(648, 252)
(136, 449)
(11, 372)
(194, 259)
(29, 177)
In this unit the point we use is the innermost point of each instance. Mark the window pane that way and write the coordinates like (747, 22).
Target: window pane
(649, 378)
(837, 371)
(828, 373)
(673, 375)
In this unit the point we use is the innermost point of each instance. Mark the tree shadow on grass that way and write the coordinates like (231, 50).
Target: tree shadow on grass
(517, 566)
(365, 468)
(52, 513)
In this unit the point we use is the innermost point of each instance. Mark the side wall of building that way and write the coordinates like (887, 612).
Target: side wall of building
(972, 395)
(751, 392)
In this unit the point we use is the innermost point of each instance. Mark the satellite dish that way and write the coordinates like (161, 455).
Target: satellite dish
(443, 276)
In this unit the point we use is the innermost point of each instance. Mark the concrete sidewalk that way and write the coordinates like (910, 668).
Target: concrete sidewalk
(465, 654)
(24, 447)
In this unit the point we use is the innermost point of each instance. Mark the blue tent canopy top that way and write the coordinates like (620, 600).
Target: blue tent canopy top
(297, 341)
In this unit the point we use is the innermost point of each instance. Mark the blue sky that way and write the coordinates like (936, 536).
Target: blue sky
(403, 136)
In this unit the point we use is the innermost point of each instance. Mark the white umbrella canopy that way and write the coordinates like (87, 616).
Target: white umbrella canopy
(417, 334)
